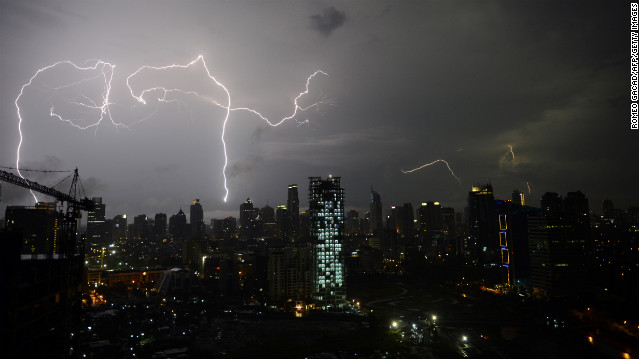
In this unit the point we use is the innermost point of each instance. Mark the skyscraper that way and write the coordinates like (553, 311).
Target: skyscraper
(517, 198)
(248, 215)
(551, 204)
(178, 226)
(196, 218)
(160, 226)
(326, 208)
(39, 229)
(375, 211)
(483, 224)
(293, 206)
(95, 222)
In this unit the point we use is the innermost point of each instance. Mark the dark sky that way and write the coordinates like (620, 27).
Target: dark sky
(408, 83)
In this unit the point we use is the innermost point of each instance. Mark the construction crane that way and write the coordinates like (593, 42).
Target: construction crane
(69, 224)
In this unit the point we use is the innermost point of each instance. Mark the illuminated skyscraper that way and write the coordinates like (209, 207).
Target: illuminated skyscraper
(95, 222)
(326, 209)
(483, 224)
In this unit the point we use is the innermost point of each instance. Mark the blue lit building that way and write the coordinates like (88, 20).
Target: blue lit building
(326, 209)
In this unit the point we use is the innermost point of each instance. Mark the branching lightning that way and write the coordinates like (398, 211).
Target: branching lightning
(433, 163)
(106, 73)
(506, 156)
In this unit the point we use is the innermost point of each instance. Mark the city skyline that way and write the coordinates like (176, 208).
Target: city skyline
(524, 95)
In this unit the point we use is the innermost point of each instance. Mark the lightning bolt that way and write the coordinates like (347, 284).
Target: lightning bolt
(106, 72)
(226, 106)
(528, 187)
(506, 155)
(433, 163)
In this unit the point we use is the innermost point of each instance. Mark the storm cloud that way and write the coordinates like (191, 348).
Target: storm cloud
(327, 21)
(410, 83)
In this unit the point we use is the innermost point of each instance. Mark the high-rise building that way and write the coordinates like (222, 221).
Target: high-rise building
(552, 257)
(503, 209)
(406, 221)
(353, 222)
(140, 227)
(40, 229)
(95, 222)
(293, 205)
(248, 216)
(196, 218)
(375, 211)
(288, 274)
(267, 222)
(483, 226)
(326, 208)
(119, 231)
(551, 204)
(608, 209)
(430, 222)
(283, 221)
(517, 198)
(160, 226)
(178, 228)
(576, 210)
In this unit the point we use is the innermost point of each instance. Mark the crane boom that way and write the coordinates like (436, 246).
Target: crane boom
(69, 246)
(83, 204)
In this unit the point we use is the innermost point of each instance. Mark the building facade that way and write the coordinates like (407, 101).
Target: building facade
(326, 209)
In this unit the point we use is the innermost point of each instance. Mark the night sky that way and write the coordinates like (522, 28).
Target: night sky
(408, 83)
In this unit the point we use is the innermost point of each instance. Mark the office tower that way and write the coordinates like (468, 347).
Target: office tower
(196, 218)
(519, 243)
(119, 230)
(375, 211)
(248, 215)
(39, 228)
(140, 229)
(483, 226)
(267, 223)
(553, 260)
(95, 222)
(289, 274)
(305, 228)
(429, 220)
(178, 226)
(276, 276)
(160, 226)
(267, 214)
(326, 209)
(224, 229)
(353, 222)
(517, 198)
(551, 204)
(503, 210)
(283, 221)
(448, 219)
(576, 210)
(406, 221)
(293, 206)
(193, 249)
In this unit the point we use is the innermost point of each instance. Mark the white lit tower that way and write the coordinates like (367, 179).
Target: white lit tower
(326, 209)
